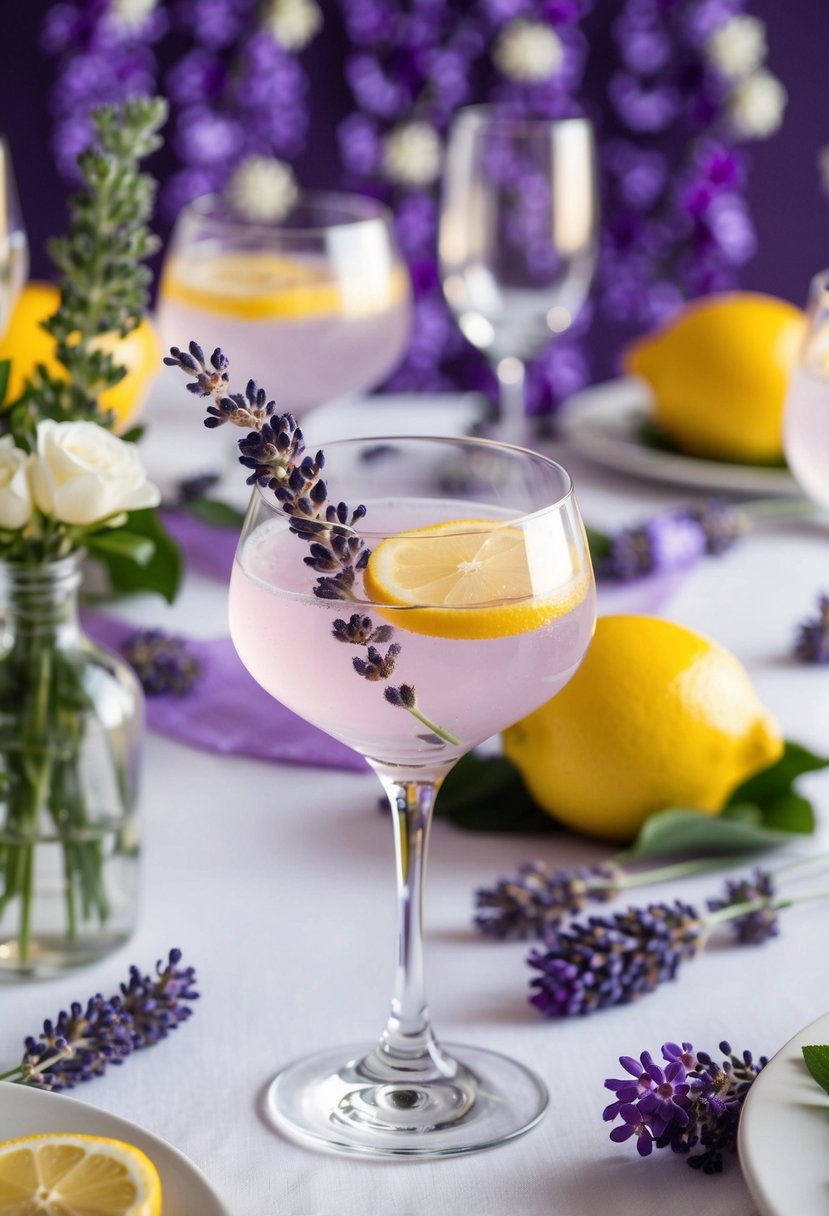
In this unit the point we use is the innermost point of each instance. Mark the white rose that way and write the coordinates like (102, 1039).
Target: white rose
(528, 51)
(263, 188)
(15, 496)
(738, 46)
(292, 22)
(82, 474)
(412, 155)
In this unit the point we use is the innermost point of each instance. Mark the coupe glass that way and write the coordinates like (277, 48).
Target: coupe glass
(14, 250)
(518, 238)
(317, 305)
(412, 688)
(806, 414)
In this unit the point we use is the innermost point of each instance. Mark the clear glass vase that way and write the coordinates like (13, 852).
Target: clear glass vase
(71, 721)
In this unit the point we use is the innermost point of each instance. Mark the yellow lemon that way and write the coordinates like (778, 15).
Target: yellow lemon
(656, 716)
(76, 1175)
(718, 374)
(262, 287)
(27, 344)
(467, 578)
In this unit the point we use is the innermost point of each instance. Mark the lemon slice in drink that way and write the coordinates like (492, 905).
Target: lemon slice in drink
(468, 578)
(76, 1175)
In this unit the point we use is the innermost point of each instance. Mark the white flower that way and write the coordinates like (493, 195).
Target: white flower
(82, 474)
(756, 105)
(130, 15)
(528, 51)
(823, 168)
(292, 22)
(737, 47)
(263, 188)
(412, 155)
(15, 496)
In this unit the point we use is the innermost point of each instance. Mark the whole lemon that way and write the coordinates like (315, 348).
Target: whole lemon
(656, 716)
(718, 374)
(27, 344)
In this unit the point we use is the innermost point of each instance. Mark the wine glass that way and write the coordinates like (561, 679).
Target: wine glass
(14, 250)
(316, 305)
(806, 412)
(458, 618)
(518, 238)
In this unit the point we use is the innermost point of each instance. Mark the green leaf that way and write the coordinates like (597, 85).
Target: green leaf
(817, 1062)
(771, 782)
(486, 794)
(138, 549)
(5, 372)
(212, 511)
(677, 831)
(161, 574)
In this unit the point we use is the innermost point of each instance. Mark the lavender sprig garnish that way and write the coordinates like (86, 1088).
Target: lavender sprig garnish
(812, 642)
(617, 959)
(163, 662)
(692, 1102)
(274, 452)
(81, 1042)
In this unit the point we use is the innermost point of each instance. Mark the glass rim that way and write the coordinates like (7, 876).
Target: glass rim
(564, 500)
(495, 116)
(347, 209)
(819, 283)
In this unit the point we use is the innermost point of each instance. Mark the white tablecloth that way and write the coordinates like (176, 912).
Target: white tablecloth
(277, 883)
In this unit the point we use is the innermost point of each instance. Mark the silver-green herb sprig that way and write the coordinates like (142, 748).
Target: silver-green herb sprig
(104, 282)
(273, 450)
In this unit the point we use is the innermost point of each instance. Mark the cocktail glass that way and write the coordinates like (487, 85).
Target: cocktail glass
(806, 413)
(464, 614)
(316, 305)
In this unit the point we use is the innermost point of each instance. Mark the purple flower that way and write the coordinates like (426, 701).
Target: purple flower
(80, 1043)
(693, 1102)
(812, 643)
(162, 662)
(613, 960)
(645, 108)
(538, 899)
(662, 544)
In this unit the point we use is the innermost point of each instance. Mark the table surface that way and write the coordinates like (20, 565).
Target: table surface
(277, 883)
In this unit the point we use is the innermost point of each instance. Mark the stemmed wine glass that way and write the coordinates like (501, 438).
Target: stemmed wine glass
(806, 412)
(14, 250)
(431, 623)
(317, 304)
(518, 238)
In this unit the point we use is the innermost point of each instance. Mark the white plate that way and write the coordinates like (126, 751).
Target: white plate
(783, 1137)
(602, 423)
(26, 1112)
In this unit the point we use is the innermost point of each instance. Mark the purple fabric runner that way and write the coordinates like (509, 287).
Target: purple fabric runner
(227, 711)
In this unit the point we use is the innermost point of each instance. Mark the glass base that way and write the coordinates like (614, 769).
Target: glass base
(464, 1104)
(50, 955)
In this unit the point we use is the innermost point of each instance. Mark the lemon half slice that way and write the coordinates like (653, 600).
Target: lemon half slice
(468, 578)
(74, 1175)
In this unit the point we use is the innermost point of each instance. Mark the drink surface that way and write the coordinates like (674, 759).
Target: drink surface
(305, 333)
(470, 686)
(806, 432)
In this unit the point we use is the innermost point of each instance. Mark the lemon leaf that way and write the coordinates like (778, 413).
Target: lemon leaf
(817, 1062)
(678, 831)
(772, 782)
(486, 794)
(5, 371)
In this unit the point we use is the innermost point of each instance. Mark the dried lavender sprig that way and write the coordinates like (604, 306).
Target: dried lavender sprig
(82, 1041)
(812, 641)
(617, 959)
(691, 1102)
(163, 662)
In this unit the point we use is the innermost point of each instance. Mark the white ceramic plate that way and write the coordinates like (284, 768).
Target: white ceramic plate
(26, 1112)
(602, 423)
(783, 1137)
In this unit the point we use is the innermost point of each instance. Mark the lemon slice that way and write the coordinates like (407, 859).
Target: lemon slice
(468, 578)
(71, 1175)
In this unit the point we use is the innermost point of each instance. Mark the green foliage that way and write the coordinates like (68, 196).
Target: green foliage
(141, 557)
(817, 1062)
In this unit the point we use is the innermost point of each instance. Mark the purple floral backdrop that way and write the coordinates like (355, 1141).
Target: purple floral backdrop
(771, 214)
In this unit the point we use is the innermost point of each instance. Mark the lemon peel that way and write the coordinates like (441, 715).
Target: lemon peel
(466, 579)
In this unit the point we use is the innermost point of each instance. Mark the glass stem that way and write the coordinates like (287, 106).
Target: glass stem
(511, 375)
(407, 1044)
